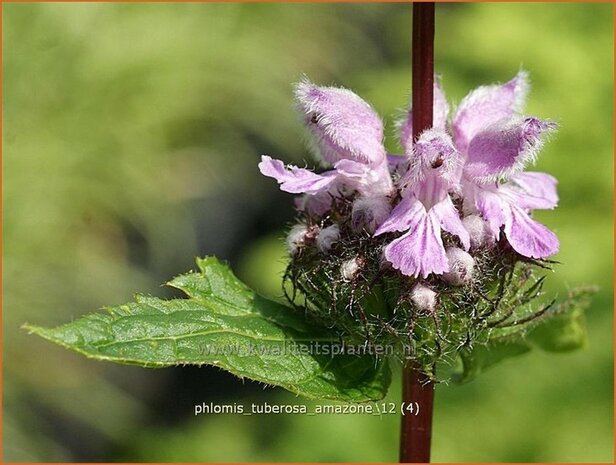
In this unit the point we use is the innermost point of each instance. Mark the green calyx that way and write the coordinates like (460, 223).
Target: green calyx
(353, 291)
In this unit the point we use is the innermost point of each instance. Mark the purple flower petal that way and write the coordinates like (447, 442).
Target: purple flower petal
(420, 251)
(450, 221)
(533, 190)
(407, 212)
(491, 206)
(395, 161)
(441, 107)
(528, 237)
(293, 179)
(342, 124)
(369, 180)
(439, 117)
(351, 169)
(504, 148)
(487, 104)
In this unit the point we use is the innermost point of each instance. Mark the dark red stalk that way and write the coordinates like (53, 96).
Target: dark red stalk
(416, 431)
(423, 66)
(417, 389)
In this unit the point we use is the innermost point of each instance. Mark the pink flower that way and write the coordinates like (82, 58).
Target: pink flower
(346, 133)
(498, 143)
(481, 163)
(426, 207)
(471, 167)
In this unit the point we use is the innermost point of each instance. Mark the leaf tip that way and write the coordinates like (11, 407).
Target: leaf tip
(38, 330)
(30, 328)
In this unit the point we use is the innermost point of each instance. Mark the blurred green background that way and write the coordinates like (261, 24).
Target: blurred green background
(130, 143)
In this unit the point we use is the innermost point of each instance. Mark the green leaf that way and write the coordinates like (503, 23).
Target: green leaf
(559, 333)
(562, 333)
(225, 324)
(566, 330)
(484, 356)
(561, 330)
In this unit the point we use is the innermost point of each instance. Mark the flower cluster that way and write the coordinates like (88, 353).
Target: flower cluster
(465, 177)
(439, 237)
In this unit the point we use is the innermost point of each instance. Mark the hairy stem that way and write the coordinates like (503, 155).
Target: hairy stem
(417, 389)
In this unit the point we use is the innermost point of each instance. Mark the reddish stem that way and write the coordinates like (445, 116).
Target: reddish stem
(417, 389)
(423, 66)
(416, 431)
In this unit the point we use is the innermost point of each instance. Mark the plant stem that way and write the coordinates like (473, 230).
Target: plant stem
(422, 66)
(417, 389)
(416, 431)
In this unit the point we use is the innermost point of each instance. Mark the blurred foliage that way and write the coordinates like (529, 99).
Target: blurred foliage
(130, 141)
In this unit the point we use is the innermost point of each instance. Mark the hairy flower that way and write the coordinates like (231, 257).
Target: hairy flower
(350, 268)
(498, 143)
(346, 134)
(426, 207)
(461, 183)
(369, 212)
(482, 164)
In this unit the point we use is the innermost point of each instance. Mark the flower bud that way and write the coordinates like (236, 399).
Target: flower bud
(461, 267)
(423, 298)
(328, 237)
(478, 231)
(314, 204)
(300, 236)
(369, 212)
(350, 268)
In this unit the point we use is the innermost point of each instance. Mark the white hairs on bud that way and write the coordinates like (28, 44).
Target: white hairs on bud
(478, 231)
(328, 237)
(369, 213)
(296, 239)
(461, 267)
(349, 269)
(423, 298)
